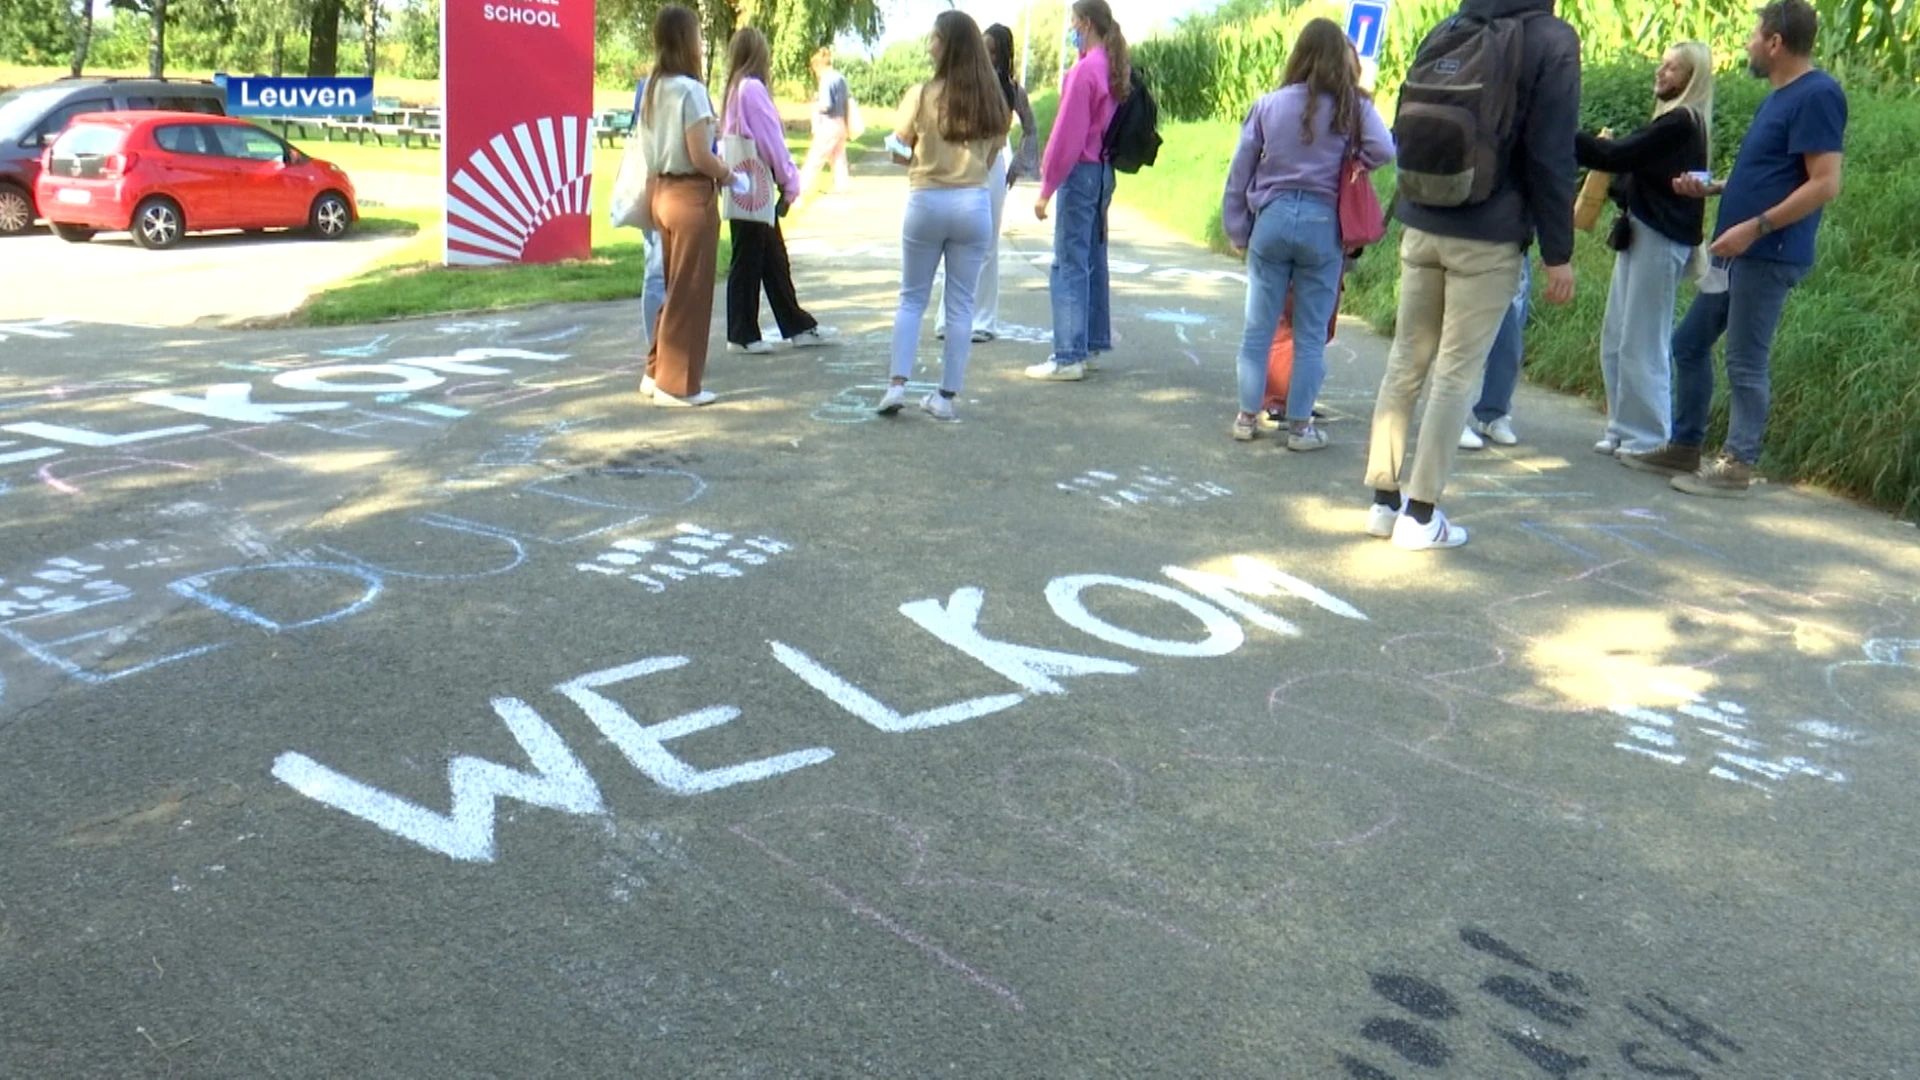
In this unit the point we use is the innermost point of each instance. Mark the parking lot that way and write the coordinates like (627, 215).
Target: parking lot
(217, 277)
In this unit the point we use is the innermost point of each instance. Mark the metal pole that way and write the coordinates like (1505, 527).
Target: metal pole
(1026, 39)
(1060, 43)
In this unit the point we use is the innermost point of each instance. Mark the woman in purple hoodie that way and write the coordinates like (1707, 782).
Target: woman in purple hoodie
(760, 251)
(1281, 208)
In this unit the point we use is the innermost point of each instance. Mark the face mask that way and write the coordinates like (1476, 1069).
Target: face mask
(1079, 38)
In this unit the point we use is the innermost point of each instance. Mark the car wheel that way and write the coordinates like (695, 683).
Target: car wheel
(331, 217)
(16, 210)
(72, 234)
(157, 224)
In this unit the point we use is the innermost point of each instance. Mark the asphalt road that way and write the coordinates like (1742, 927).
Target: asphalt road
(220, 276)
(413, 701)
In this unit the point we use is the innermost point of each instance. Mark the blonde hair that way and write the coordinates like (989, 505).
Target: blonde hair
(1697, 96)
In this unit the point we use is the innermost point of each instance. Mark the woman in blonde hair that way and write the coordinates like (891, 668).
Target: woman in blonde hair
(676, 133)
(759, 250)
(1075, 166)
(952, 128)
(1655, 237)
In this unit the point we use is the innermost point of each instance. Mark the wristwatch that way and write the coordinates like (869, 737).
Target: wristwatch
(1763, 224)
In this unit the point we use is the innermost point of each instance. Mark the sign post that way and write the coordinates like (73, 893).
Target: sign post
(1367, 29)
(517, 141)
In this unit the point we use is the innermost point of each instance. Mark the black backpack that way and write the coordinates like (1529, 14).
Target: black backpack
(1453, 129)
(1132, 141)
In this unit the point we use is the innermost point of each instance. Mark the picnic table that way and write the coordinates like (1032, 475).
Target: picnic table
(395, 121)
(611, 124)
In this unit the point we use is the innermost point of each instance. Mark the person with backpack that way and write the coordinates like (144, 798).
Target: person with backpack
(1484, 154)
(949, 132)
(1655, 237)
(1006, 172)
(1076, 165)
(1787, 170)
(1281, 209)
(759, 249)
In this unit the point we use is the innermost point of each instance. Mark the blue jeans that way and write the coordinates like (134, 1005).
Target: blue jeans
(653, 284)
(1747, 313)
(954, 225)
(1503, 360)
(1077, 283)
(1296, 242)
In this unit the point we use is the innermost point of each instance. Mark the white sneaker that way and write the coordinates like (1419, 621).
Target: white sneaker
(939, 406)
(1500, 430)
(1381, 520)
(1471, 441)
(1310, 439)
(1051, 370)
(755, 347)
(1608, 445)
(668, 401)
(646, 386)
(811, 339)
(894, 400)
(1413, 536)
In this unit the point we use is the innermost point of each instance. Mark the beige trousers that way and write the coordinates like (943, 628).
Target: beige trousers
(1453, 294)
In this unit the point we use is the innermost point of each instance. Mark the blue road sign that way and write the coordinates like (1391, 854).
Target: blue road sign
(259, 95)
(1366, 23)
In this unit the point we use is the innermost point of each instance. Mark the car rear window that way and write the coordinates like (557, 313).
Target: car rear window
(90, 140)
(182, 103)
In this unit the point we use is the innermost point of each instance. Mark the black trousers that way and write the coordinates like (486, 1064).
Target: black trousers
(760, 261)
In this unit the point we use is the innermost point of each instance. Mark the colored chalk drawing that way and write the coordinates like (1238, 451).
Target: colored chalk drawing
(1725, 739)
(690, 553)
(1144, 486)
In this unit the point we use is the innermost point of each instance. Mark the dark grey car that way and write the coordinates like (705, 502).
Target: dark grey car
(32, 116)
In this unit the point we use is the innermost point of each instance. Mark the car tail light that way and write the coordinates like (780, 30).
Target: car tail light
(118, 165)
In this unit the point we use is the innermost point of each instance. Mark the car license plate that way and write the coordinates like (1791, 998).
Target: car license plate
(77, 196)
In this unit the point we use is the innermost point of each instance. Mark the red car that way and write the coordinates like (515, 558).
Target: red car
(160, 175)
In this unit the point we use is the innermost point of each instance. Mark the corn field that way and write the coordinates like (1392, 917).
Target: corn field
(1210, 70)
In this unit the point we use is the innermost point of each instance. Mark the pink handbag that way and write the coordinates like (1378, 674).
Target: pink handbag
(1361, 222)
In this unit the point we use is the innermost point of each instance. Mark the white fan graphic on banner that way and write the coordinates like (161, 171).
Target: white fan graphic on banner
(517, 183)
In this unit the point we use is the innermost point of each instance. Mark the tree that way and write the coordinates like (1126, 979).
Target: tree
(323, 38)
(156, 13)
(370, 20)
(81, 12)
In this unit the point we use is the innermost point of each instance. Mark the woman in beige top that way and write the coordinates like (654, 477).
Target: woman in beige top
(676, 132)
(951, 128)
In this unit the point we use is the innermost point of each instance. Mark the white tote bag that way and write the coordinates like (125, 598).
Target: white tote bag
(856, 124)
(744, 160)
(631, 208)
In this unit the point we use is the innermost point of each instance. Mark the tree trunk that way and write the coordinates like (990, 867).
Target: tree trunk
(279, 53)
(323, 42)
(82, 35)
(371, 27)
(157, 40)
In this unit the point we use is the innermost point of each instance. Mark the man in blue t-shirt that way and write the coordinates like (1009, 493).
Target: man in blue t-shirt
(1787, 170)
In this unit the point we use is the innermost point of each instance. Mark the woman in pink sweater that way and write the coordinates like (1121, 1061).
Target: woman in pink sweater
(1075, 166)
(760, 251)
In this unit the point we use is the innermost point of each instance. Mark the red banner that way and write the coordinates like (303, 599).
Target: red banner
(516, 82)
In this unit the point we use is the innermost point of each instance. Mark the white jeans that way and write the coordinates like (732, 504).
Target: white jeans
(954, 224)
(1636, 339)
(986, 294)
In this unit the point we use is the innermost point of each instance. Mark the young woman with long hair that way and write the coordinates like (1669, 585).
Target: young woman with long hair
(760, 251)
(1657, 236)
(1075, 167)
(1281, 208)
(953, 126)
(1004, 174)
(676, 133)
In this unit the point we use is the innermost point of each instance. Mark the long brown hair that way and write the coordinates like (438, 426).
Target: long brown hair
(747, 58)
(676, 51)
(1323, 59)
(1100, 16)
(972, 105)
